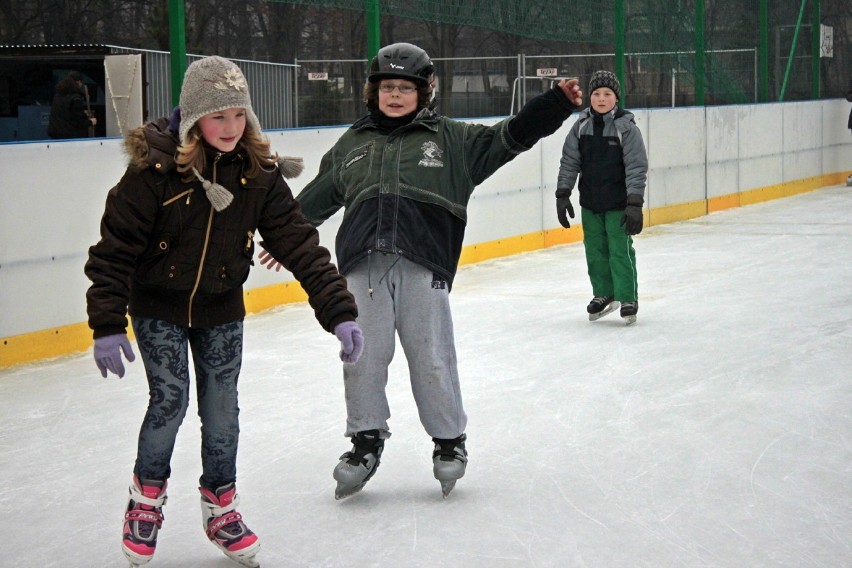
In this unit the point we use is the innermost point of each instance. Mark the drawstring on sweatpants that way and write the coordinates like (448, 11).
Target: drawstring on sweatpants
(369, 273)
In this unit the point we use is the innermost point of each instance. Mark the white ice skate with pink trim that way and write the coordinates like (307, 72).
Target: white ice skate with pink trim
(225, 527)
(142, 520)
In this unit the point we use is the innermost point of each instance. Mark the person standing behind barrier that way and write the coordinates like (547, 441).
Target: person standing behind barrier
(849, 123)
(404, 174)
(68, 117)
(605, 149)
(177, 241)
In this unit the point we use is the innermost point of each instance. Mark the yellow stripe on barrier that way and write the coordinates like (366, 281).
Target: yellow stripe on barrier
(65, 340)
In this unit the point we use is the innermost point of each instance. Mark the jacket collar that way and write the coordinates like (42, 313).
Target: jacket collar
(426, 118)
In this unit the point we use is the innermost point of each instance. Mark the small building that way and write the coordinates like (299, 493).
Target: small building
(126, 87)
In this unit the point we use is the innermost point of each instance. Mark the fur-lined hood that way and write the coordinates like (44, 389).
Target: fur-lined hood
(154, 145)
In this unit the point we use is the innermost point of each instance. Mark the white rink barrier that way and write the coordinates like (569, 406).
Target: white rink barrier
(700, 159)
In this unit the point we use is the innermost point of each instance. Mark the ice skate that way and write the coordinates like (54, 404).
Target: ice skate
(628, 311)
(600, 306)
(225, 527)
(357, 466)
(142, 520)
(449, 461)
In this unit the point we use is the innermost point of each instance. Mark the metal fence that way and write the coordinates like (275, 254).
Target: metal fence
(271, 86)
(312, 92)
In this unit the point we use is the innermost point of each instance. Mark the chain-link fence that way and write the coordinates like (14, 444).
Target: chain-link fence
(330, 92)
(272, 86)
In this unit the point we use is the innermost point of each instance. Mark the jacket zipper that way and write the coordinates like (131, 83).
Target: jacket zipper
(204, 249)
(188, 194)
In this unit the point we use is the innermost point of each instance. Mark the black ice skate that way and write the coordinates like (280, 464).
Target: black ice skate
(449, 461)
(600, 306)
(357, 466)
(628, 311)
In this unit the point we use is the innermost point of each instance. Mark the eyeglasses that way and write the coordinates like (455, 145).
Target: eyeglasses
(403, 89)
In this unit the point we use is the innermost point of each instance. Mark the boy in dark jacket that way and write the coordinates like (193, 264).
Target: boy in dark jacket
(404, 175)
(605, 150)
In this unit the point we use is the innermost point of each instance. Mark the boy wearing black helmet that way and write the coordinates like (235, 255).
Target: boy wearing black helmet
(404, 174)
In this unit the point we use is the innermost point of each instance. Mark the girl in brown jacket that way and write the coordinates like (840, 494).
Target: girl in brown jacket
(177, 239)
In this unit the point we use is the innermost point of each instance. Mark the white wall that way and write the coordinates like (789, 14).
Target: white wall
(52, 193)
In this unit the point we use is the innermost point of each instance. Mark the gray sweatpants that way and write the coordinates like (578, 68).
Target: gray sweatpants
(412, 301)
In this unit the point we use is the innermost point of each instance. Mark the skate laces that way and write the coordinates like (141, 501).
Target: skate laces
(364, 444)
(450, 450)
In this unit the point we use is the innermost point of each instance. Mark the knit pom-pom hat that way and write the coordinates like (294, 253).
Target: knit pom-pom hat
(210, 85)
(605, 79)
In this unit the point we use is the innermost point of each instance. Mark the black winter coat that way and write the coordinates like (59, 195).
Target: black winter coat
(165, 253)
(849, 98)
(68, 117)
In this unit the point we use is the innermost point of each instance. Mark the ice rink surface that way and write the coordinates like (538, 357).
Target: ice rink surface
(715, 432)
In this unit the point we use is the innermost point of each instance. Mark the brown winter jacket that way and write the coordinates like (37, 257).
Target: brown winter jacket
(165, 253)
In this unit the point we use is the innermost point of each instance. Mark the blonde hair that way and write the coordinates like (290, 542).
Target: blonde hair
(191, 154)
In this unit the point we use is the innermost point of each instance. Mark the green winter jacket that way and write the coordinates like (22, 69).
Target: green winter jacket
(406, 191)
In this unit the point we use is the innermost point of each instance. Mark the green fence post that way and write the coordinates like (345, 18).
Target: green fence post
(763, 83)
(373, 29)
(792, 51)
(815, 48)
(177, 45)
(699, 52)
(619, 50)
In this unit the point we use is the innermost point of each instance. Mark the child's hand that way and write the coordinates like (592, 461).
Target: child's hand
(571, 88)
(266, 258)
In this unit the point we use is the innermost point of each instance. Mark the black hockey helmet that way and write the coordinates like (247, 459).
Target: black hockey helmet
(401, 61)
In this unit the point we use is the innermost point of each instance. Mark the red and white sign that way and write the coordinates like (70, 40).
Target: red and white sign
(317, 76)
(547, 72)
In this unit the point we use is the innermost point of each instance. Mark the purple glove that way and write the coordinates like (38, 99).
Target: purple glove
(107, 355)
(351, 341)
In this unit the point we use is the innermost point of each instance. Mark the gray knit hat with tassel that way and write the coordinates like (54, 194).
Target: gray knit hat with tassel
(210, 85)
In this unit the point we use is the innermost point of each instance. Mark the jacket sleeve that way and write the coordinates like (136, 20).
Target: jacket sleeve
(540, 117)
(489, 148)
(569, 163)
(294, 242)
(321, 199)
(126, 225)
(635, 161)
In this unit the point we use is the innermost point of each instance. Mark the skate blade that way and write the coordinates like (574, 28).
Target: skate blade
(247, 561)
(344, 492)
(629, 320)
(447, 486)
(606, 311)
(134, 559)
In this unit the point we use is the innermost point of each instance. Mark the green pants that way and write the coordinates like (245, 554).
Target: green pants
(610, 257)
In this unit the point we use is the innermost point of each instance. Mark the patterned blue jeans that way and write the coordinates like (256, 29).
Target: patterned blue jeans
(217, 357)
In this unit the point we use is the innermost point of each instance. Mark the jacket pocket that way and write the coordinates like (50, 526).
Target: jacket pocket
(158, 266)
(234, 266)
(356, 167)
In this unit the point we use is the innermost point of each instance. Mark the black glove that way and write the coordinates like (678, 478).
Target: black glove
(632, 218)
(563, 204)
